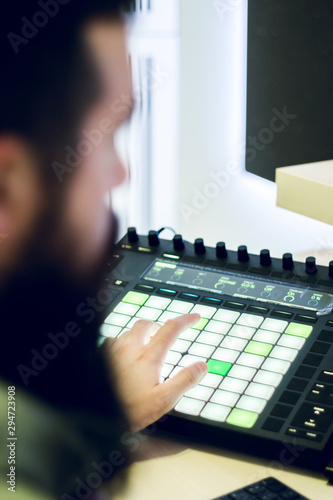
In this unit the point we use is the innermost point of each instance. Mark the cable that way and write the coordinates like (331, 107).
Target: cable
(165, 228)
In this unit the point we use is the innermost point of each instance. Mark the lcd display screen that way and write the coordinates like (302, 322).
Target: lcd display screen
(235, 285)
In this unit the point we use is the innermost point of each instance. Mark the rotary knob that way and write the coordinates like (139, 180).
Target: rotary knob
(221, 251)
(242, 253)
(132, 236)
(178, 243)
(199, 246)
(287, 262)
(265, 258)
(330, 269)
(153, 238)
(310, 265)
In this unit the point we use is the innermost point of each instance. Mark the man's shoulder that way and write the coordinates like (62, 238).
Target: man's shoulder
(14, 404)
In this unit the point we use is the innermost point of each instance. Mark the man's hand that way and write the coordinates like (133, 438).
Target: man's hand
(136, 364)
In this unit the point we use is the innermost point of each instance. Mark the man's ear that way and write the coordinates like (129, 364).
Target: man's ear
(18, 188)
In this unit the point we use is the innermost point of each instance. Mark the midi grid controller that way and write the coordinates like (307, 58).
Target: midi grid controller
(266, 333)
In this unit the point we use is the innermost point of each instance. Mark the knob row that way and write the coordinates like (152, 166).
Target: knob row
(221, 251)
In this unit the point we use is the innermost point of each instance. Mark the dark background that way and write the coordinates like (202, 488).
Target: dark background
(290, 63)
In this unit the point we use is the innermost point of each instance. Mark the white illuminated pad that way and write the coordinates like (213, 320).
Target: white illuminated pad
(210, 338)
(227, 316)
(204, 350)
(189, 334)
(291, 341)
(189, 359)
(167, 315)
(275, 325)
(216, 412)
(101, 341)
(148, 313)
(110, 330)
(157, 302)
(250, 320)
(251, 404)
(190, 406)
(276, 365)
(200, 392)
(227, 355)
(234, 385)
(217, 327)
(234, 343)
(124, 308)
(211, 380)
(284, 353)
(204, 311)
(266, 336)
(269, 378)
(252, 360)
(242, 372)
(172, 357)
(260, 391)
(166, 370)
(244, 332)
(225, 398)
(181, 345)
(179, 306)
(117, 319)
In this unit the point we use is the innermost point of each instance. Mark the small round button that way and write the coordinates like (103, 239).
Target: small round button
(310, 265)
(289, 298)
(221, 251)
(199, 246)
(287, 261)
(265, 258)
(153, 238)
(330, 269)
(132, 235)
(178, 243)
(242, 253)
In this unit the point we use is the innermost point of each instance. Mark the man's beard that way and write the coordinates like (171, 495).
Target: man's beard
(49, 322)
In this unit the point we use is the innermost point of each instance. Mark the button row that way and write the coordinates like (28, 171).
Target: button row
(167, 292)
(221, 318)
(220, 413)
(221, 252)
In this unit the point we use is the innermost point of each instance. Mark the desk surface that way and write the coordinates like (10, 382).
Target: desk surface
(169, 470)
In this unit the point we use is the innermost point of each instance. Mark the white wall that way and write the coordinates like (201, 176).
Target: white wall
(242, 208)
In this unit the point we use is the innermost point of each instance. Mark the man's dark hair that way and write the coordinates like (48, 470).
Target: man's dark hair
(47, 80)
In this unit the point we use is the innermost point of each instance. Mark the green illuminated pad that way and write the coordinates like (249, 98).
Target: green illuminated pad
(136, 298)
(259, 348)
(242, 418)
(299, 330)
(218, 367)
(201, 324)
